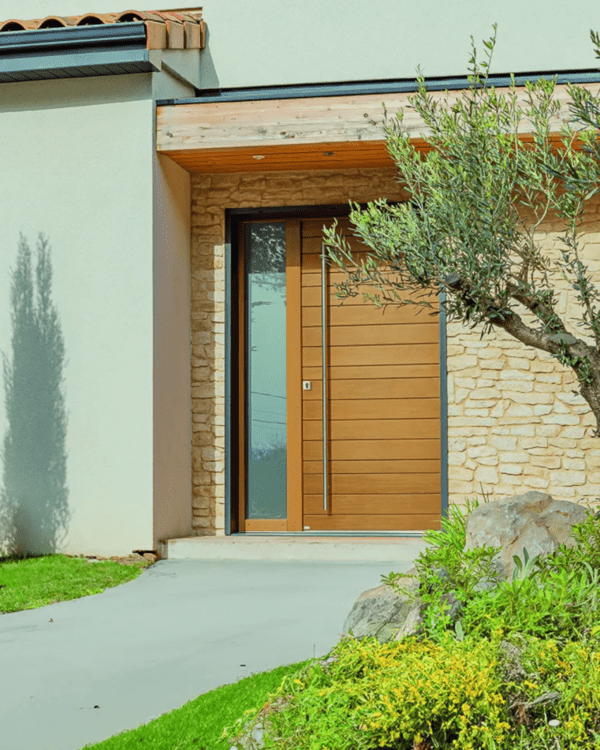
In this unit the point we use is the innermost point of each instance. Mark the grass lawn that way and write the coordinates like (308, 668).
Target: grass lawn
(198, 725)
(32, 582)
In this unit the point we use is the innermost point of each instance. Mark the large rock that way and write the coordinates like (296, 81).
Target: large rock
(380, 611)
(534, 521)
(412, 623)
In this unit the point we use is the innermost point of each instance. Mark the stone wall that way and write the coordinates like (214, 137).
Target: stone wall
(514, 422)
(515, 418)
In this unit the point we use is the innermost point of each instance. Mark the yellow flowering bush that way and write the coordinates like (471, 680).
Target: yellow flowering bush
(393, 695)
(573, 670)
(427, 695)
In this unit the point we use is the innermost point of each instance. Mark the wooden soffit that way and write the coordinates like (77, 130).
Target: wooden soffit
(336, 132)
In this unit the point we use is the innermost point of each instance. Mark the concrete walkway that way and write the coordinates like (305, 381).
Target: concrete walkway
(78, 672)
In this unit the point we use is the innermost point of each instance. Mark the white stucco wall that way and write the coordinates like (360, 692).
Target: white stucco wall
(73, 170)
(274, 42)
(172, 406)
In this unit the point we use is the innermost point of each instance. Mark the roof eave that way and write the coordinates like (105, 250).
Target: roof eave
(74, 52)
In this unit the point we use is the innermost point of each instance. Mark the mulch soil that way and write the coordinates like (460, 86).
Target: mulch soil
(132, 559)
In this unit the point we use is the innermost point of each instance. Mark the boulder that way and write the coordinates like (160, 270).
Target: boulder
(534, 521)
(411, 624)
(380, 611)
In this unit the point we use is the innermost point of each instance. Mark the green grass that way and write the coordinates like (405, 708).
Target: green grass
(198, 725)
(32, 582)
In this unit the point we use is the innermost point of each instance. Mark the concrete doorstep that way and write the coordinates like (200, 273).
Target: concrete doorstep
(316, 548)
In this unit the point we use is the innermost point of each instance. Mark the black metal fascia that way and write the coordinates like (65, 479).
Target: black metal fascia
(306, 91)
(76, 65)
(229, 303)
(71, 37)
(73, 52)
(444, 403)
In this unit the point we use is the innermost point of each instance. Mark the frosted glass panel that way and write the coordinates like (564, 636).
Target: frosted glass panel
(266, 371)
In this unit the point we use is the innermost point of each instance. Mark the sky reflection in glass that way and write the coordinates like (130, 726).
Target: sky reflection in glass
(266, 375)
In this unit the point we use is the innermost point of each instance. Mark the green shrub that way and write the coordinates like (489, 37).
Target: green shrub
(394, 694)
(554, 595)
(560, 602)
(453, 695)
(445, 567)
(571, 670)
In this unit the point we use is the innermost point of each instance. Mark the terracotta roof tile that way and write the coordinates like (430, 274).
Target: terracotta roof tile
(165, 29)
(52, 22)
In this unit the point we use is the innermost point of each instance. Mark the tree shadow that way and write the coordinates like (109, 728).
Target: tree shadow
(34, 512)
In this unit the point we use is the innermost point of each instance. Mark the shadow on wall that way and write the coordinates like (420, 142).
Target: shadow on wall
(34, 510)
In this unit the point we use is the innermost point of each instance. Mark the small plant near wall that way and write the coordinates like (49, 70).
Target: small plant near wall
(34, 497)
(477, 202)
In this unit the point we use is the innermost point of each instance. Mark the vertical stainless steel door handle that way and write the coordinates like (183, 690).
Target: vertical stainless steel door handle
(324, 373)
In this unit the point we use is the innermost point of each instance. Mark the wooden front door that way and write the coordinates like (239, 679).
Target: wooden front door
(381, 467)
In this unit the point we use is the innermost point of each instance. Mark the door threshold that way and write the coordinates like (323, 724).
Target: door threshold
(296, 546)
(330, 533)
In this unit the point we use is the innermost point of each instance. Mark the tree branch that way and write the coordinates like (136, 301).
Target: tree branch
(541, 309)
(557, 344)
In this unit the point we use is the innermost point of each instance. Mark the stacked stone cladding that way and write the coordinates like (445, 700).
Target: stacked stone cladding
(514, 422)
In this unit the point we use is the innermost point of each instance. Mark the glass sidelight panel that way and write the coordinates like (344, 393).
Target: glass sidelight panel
(266, 445)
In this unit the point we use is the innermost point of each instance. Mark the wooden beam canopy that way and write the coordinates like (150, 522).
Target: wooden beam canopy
(336, 132)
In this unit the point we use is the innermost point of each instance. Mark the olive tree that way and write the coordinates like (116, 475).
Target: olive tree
(477, 197)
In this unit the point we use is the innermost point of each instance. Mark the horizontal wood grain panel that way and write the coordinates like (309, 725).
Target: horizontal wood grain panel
(342, 314)
(314, 227)
(265, 524)
(381, 389)
(330, 130)
(335, 275)
(395, 522)
(417, 466)
(311, 297)
(311, 257)
(276, 158)
(373, 429)
(401, 408)
(425, 333)
(402, 354)
(372, 372)
(352, 504)
(374, 486)
(312, 246)
(347, 450)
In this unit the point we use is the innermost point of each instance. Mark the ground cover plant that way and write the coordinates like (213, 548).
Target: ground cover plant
(35, 581)
(516, 668)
